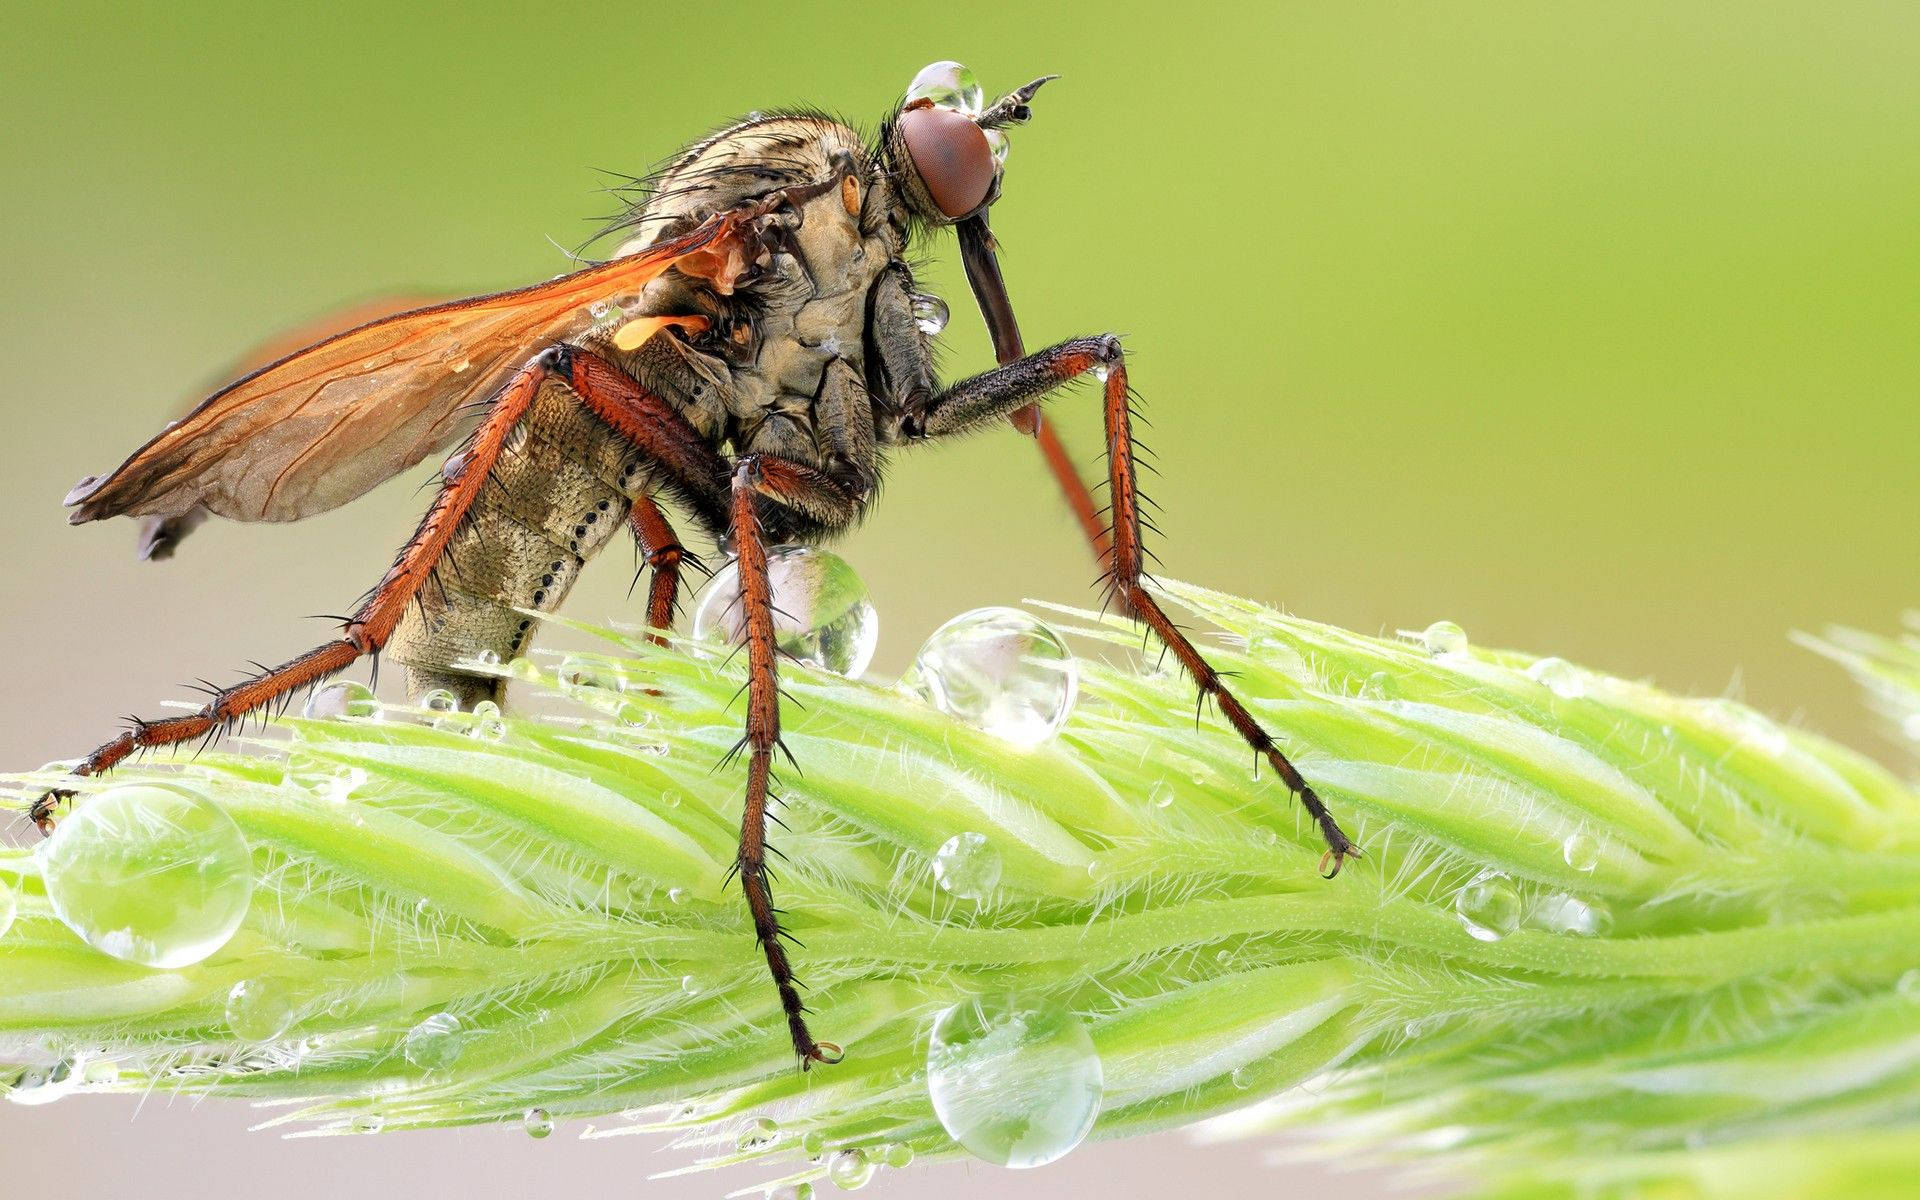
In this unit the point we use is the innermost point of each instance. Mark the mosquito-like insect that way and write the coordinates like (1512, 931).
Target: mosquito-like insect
(751, 354)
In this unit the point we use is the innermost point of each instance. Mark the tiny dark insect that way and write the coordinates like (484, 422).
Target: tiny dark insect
(751, 353)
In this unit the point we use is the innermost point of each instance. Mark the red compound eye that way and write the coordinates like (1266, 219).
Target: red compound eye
(952, 156)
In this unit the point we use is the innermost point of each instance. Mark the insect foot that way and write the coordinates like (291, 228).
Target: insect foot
(41, 812)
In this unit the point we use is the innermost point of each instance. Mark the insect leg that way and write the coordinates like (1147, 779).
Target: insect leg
(991, 396)
(365, 633)
(664, 555)
(763, 735)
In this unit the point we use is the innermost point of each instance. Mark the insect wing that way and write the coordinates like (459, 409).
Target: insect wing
(326, 424)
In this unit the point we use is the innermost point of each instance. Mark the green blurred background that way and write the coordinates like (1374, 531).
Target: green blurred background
(1591, 327)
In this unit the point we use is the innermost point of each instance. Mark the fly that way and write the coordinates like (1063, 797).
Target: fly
(748, 358)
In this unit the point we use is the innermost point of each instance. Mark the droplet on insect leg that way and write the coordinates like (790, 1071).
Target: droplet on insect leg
(948, 84)
(822, 615)
(929, 312)
(1000, 670)
(1014, 1079)
(150, 875)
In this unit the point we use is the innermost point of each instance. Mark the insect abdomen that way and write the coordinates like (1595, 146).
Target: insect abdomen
(558, 493)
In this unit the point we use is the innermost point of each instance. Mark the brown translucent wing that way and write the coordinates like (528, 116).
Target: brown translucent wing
(326, 424)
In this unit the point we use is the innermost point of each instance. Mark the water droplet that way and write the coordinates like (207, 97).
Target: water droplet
(1581, 851)
(9, 908)
(896, 1155)
(967, 866)
(822, 615)
(850, 1170)
(39, 1085)
(813, 1142)
(792, 1191)
(1103, 371)
(524, 668)
(1378, 686)
(929, 312)
(690, 985)
(1000, 670)
(340, 785)
(1241, 1077)
(676, 895)
(1908, 985)
(949, 85)
(440, 704)
(997, 143)
(1014, 1079)
(259, 1010)
(150, 875)
(369, 1123)
(1560, 677)
(488, 725)
(340, 699)
(670, 799)
(1561, 913)
(536, 1122)
(1161, 794)
(758, 1134)
(435, 1043)
(485, 658)
(1489, 906)
(1444, 637)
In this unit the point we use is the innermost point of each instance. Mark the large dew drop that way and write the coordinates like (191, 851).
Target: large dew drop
(1014, 1079)
(948, 84)
(1000, 670)
(822, 615)
(150, 875)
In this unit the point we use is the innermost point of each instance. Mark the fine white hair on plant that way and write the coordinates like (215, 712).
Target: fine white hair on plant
(1602, 939)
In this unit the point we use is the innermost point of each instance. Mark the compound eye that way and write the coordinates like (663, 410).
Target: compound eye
(952, 155)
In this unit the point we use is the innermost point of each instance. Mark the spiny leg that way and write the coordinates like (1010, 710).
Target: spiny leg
(991, 396)
(763, 735)
(664, 556)
(365, 632)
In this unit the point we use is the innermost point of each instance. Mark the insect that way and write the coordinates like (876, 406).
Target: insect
(750, 355)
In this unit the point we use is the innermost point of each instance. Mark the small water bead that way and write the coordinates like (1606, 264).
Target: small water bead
(1443, 637)
(1241, 1077)
(39, 1085)
(929, 312)
(822, 615)
(1161, 794)
(1378, 686)
(850, 1170)
(758, 1134)
(9, 907)
(998, 145)
(150, 875)
(369, 1123)
(259, 1010)
(948, 84)
(537, 1123)
(340, 785)
(1562, 913)
(813, 1143)
(967, 866)
(690, 985)
(1560, 677)
(524, 669)
(488, 725)
(340, 699)
(677, 895)
(440, 704)
(896, 1155)
(1489, 906)
(1102, 371)
(1000, 670)
(1908, 985)
(1581, 851)
(435, 1043)
(1014, 1079)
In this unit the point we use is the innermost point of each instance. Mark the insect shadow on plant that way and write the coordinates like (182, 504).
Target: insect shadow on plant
(750, 355)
